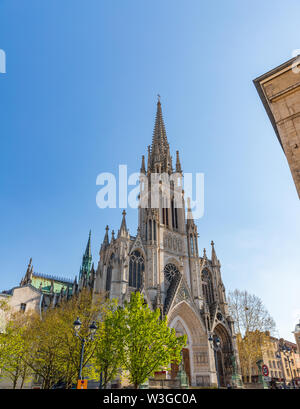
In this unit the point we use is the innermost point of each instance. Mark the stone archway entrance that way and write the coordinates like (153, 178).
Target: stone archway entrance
(186, 322)
(224, 356)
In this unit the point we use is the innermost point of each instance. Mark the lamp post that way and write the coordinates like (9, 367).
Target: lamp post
(282, 347)
(93, 328)
(215, 343)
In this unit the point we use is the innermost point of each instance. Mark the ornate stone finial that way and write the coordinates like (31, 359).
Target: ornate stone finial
(28, 275)
(112, 235)
(189, 203)
(123, 232)
(143, 167)
(190, 217)
(178, 165)
(214, 258)
(158, 98)
(106, 238)
(204, 253)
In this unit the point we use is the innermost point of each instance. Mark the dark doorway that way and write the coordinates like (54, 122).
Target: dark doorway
(186, 365)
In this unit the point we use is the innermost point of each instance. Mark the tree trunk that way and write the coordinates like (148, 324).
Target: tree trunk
(22, 382)
(250, 371)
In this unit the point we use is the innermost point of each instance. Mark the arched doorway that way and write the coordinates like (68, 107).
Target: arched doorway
(186, 365)
(223, 356)
(186, 322)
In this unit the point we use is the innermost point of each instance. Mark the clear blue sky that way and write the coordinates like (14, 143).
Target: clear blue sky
(79, 98)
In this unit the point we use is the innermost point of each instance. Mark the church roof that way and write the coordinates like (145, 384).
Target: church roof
(44, 282)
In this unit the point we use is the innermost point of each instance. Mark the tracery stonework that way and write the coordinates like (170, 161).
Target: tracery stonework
(172, 242)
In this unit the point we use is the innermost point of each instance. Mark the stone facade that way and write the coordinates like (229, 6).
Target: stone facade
(279, 90)
(280, 370)
(36, 292)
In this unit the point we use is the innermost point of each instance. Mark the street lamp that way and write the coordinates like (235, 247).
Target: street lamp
(92, 330)
(216, 345)
(282, 347)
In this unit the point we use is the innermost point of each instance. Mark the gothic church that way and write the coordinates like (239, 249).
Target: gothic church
(162, 262)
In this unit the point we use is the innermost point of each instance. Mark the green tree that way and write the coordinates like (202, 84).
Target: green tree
(44, 348)
(13, 345)
(4, 339)
(109, 351)
(55, 351)
(88, 309)
(149, 344)
(14, 365)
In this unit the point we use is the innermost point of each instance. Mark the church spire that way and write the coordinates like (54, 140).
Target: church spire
(86, 259)
(88, 246)
(28, 275)
(160, 152)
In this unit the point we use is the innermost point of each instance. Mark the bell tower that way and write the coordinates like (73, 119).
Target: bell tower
(162, 212)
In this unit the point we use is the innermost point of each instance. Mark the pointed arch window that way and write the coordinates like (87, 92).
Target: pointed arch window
(173, 214)
(165, 212)
(109, 273)
(150, 229)
(192, 243)
(136, 269)
(207, 287)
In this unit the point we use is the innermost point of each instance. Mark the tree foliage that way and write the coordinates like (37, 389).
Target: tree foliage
(132, 339)
(149, 344)
(55, 351)
(13, 349)
(109, 352)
